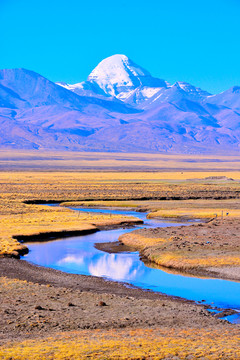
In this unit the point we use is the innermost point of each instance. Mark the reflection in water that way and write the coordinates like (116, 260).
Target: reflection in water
(78, 255)
(71, 259)
(114, 266)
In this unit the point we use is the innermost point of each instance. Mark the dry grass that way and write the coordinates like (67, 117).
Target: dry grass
(139, 242)
(183, 262)
(43, 219)
(192, 209)
(130, 344)
(197, 213)
(196, 247)
(109, 186)
(18, 218)
(103, 203)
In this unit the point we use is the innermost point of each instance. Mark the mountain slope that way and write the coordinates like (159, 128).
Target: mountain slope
(120, 107)
(229, 98)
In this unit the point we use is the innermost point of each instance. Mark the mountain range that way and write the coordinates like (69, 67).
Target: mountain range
(119, 108)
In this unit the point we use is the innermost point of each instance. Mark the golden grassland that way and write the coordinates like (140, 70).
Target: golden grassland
(188, 209)
(130, 344)
(42, 219)
(140, 242)
(103, 203)
(182, 261)
(110, 188)
(97, 186)
(197, 213)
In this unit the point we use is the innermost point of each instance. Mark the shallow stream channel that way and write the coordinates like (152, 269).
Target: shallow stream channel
(79, 255)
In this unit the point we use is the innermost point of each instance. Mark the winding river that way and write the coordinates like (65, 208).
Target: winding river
(78, 255)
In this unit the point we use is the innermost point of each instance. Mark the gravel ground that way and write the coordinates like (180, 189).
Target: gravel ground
(35, 301)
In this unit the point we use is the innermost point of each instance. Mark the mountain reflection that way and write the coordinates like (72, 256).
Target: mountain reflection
(115, 267)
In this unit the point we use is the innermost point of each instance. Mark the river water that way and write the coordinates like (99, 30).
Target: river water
(78, 255)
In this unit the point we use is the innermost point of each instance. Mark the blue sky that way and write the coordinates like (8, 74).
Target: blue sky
(197, 41)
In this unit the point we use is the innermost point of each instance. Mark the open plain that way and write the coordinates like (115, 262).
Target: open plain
(47, 314)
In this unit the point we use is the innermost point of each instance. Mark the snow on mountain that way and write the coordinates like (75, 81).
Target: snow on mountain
(117, 74)
(139, 95)
(118, 77)
(85, 88)
(120, 107)
(176, 93)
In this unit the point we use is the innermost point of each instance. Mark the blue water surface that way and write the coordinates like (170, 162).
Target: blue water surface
(78, 255)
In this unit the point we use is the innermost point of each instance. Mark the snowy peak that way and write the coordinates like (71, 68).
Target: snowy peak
(118, 77)
(119, 69)
(118, 73)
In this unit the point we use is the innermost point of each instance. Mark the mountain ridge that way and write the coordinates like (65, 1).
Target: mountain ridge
(120, 107)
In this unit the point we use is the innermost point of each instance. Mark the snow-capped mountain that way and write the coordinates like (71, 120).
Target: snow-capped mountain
(120, 78)
(117, 76)
(120, 107)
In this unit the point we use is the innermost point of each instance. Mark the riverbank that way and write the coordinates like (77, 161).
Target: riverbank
(37, 300)
(208, 249)
(41, 223)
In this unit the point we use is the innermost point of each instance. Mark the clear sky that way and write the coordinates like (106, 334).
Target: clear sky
(196, 41)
